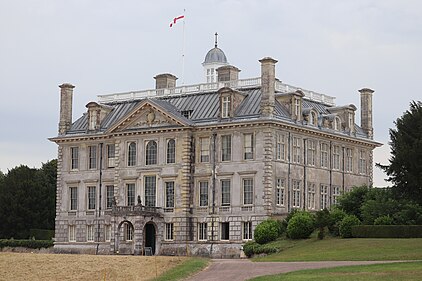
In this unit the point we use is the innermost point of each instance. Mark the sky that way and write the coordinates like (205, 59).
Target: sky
(331, 47)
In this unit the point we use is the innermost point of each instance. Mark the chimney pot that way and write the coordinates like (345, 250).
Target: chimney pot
(66, 99)
(366, 111)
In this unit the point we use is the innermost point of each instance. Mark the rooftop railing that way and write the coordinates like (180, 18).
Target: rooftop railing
(209, 87)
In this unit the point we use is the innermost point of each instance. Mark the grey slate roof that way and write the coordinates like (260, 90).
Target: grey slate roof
(204, 107)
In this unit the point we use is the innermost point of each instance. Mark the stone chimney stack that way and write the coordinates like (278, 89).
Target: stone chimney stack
(227, 73)
(267, 86)
(366, 111)
(66, 98)
(165, 81)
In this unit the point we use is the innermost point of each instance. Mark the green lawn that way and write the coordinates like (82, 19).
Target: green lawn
(184, 270)
(337, 249)
(409, 271)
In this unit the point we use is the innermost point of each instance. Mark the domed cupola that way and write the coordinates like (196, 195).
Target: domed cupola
(214, 59)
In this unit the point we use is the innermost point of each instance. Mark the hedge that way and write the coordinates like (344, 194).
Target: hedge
(41, 234)
(253, 248)
(33, 244)
(387, 231)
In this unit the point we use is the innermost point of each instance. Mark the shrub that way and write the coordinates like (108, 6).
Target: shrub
(387, 231)
(336, 216)
(252, 248)
(322, 220)
(383, 220)
(300, 226)
(346, 224)
(267, 231)
(33, 244)
(352, 201)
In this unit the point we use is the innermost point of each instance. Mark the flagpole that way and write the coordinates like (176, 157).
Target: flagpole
(183, 49)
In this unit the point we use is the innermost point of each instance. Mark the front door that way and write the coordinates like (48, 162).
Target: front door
(150, 237)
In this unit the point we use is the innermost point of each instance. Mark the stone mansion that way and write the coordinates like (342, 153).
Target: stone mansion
(193, 169)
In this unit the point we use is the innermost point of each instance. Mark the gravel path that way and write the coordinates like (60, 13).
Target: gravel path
(242, 269)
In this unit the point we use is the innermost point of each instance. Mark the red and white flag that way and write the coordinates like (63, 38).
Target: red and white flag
(173, 22)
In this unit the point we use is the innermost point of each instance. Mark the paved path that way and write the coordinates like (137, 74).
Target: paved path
(239, 270)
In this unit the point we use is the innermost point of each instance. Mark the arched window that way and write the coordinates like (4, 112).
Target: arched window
(151, 153)
(337, 123)
(128, 231)
(131, 157)
(313, 120)
(171, 151)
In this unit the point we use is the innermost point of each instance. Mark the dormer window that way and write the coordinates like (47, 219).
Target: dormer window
(225, 106)
(297, 107)
(313, 119)
(337, 123)
(187, 113)
(351, 121)
(93, 120)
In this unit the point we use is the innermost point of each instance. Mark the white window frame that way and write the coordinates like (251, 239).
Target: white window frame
(324, 155)
(296, 150)
(225, 193)
(131, 154)
(71, 233)
(349, 160)
(336, 151)
(151, 152)
(362, 162)
(91, 197)
(169, 232)
(153, 195)
(280, 192)
(311, 196)
(92, 157)
(247, 233)
(111, 155)
(169, 186)
(130, 194)
(204, 143)
(248, 195)
(281, 146)
(203, 193)
(73, 198)
(107, 233)
(109, 196)
(296, 197)
(90, 233)
(311, 153)
(128, 232)
(202, 231)
(324, 196)
(336, 194)
(226, 148)
(74, 158)
(248, 146)
(171, 151)
(225, 106)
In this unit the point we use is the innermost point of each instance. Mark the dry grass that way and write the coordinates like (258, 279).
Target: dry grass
(27, 266)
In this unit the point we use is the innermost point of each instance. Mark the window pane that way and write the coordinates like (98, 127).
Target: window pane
(225, 192)
(74, 151)
(171, 151)
(130, 194)
(91, 197)
(226, 148)
(151, 153)
(203, 193)
(92, 157)
(73, 198)
(110, 196)
(170, 194)
(131, 154)
(247, 191)
(150, 191)
(248, 146)
(225, 231)
(205, 149)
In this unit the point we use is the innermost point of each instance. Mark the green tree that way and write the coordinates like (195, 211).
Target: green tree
(352, 201)
(322, 220)
(405, 169)
(27, 200)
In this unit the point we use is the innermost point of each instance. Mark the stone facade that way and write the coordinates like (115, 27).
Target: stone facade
(153, 175)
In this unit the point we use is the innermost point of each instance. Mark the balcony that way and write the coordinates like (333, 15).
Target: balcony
(137, 210)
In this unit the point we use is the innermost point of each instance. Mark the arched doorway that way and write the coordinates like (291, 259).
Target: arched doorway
(149, 236)
(124, 241)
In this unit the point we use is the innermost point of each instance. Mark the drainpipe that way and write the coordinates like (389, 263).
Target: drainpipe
(100, 199)
(342, 171)
(213, 159)
(288, 175)
(304, 174)
(331, 172)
